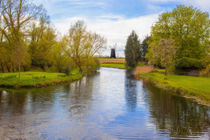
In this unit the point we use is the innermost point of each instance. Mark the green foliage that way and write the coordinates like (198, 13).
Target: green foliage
(13, 32)
(132, 50)
(144, 48)
(26, 43)
(90, 65)
(188, 63)
(206, 61)
(43, 39)
(81, 46)
(188, 27)
(206, 71)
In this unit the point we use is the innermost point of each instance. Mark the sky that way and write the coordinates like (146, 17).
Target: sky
(113, 19)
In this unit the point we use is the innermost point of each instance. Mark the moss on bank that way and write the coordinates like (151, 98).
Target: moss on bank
(197, 88)
(36, 79)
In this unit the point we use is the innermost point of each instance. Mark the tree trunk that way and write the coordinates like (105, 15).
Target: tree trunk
(80, 69)
(13, 68)
(8, 70)
(2, 68)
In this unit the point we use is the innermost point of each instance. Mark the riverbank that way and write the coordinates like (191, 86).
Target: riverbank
(118, 66)
(36, 79)
(197, 88)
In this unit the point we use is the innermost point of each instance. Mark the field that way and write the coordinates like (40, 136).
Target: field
(36, 79)
(113, 63)
(197, 88)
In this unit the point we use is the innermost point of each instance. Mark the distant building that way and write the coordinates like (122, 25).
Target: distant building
(113, 54)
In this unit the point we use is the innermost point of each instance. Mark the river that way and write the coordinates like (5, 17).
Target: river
(108, 105)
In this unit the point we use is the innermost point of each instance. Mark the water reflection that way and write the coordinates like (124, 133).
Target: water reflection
(109, 105)
(80, 97)
(130, 91)
(177, 116)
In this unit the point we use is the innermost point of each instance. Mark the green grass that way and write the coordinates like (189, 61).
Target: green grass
(194, 87)
(36, 79)
(118, 66)
(111, 58)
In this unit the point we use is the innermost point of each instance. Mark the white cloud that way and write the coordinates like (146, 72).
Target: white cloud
(202, 4)
(115, 31)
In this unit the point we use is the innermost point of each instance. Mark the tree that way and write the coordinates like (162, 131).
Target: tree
(15, 17)
(26, 42)
(188, 27)
(132, 50)
(42, 40)
(144, 48)
(81, 46)
(167, 52)
(59, 59)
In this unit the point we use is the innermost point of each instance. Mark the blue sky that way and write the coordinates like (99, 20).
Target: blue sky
(113, 19)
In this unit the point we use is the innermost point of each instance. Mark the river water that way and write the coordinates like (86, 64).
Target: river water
(108, 105)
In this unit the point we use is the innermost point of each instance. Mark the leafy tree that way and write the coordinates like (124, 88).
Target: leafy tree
(144, 48)
(188, 27)
(81, 46)
(43, 38)
(59, 60)
(16, 15)
(164, 53)
(167, 52)
(25, 42)
(132, 50)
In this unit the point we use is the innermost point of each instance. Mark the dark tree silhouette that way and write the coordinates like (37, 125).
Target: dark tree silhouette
(132, 50)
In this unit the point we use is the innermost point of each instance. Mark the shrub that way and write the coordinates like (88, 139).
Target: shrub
(188, 63)
(206, 61)
(61, 75)
(35, 77)
(206, 71)
(10, 77)
(91, 65)
(67, 70)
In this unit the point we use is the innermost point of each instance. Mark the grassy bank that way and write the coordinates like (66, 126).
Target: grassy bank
(197, 88)
(118, 66)
(36, 79)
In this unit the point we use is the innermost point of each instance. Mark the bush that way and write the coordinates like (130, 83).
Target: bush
(90, 65)
(188, 63)
(10, 77)
(206, 61)
(206, 71)
(67, 70)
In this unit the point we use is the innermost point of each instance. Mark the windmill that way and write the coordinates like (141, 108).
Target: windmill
(113, 53)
